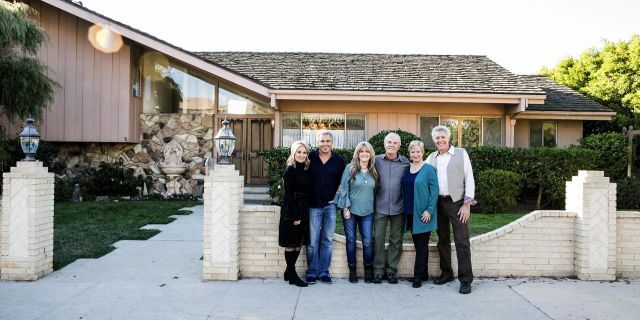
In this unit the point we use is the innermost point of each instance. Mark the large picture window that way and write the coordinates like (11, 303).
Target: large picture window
(465, 131)
(231, 102)
(348, 129)
(543, 133)
(170, 88)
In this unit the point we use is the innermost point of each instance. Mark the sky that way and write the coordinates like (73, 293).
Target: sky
(520, 35)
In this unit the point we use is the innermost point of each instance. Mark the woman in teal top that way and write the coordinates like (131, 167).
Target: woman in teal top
(355, 196)
(420, 192)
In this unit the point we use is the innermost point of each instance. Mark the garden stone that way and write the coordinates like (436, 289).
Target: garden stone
(75, 196)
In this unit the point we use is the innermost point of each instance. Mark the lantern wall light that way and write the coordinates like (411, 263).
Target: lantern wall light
(225, 143)
(29, 140)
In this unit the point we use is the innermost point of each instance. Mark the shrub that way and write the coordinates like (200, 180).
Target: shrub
(611, 148)
(497, 190)
(377, 141)
(628, 191)
(114, 181)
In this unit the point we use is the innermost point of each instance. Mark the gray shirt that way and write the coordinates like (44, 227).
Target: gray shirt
(389, 199)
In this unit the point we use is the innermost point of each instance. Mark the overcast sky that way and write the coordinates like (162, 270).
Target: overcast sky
(520, 35)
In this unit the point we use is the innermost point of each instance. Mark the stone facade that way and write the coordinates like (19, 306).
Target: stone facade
(194, 132)
(542, 243)
(26, 222)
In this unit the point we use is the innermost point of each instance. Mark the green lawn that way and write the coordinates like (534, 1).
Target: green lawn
(480, 223)
(89, 229)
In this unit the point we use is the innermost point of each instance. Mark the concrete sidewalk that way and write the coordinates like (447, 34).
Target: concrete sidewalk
(161, 278)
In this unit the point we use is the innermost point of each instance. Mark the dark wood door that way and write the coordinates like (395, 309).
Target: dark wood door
(254, 136)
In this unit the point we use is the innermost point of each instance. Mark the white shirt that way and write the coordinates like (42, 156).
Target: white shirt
(442, 161)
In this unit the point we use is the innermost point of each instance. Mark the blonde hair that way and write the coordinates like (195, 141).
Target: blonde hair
(356, 161)
(416, 143)
(291, 161)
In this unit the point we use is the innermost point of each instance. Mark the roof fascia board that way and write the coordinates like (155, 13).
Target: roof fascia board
(168, 50)
(564, 115)
(404, 96)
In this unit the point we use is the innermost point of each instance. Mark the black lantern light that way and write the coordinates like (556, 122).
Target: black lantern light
(225, 143)
(29, 140)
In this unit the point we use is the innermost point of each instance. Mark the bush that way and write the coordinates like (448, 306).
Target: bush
(611, 148)
(114, 181)
(377, 141)
(497, 190)
(628, 191)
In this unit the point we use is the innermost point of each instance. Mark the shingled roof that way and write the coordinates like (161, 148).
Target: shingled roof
(561, 97)
(374, 72)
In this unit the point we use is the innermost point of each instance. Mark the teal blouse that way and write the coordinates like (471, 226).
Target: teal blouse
(358, 195)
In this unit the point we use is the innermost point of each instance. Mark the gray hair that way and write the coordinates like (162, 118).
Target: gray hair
(416, 143)
(392, 135)
(324, 132)
(444, 129)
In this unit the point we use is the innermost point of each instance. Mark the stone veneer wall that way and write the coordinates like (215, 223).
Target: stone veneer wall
(538, 244)
(628, 244)
(194, 132)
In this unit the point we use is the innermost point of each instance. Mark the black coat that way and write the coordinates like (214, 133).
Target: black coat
(295, 206)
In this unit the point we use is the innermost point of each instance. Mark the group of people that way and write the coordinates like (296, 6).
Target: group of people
(375, 191)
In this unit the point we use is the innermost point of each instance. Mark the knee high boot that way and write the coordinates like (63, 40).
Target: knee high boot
(291, 257)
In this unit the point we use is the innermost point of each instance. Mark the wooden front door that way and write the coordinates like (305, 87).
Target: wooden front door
(254, 136)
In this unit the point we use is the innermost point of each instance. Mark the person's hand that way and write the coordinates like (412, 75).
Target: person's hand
(426, 217)
(297, 222)
(464, 213)
(346, 214)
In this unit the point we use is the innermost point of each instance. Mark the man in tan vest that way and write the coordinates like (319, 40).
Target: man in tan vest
(457, 191)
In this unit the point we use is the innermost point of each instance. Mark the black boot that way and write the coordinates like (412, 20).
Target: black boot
(291, 257)
(353, 275)
(368, 274)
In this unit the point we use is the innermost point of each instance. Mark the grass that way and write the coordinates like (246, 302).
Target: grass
(89, 229)
(480, 223)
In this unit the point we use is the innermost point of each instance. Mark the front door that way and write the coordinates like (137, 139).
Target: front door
(254, 136)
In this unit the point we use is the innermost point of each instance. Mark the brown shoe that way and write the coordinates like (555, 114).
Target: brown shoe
(442, 280)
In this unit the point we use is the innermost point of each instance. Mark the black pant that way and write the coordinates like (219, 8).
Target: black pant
(448, 214)
(421, 243)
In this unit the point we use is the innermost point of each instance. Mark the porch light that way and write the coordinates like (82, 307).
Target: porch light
(29, 140)
(225, 143)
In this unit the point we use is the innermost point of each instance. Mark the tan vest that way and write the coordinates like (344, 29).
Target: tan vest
(455, 173)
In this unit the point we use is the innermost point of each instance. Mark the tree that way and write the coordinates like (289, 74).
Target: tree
(609, 75)
(25, 87)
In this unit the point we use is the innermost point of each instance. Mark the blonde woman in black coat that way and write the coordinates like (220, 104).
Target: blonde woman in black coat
(294, 214)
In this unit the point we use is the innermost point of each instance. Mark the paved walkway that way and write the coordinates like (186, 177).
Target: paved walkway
(160, 278)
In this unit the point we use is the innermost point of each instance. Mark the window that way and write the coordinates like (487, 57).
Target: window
(170, 88)
(347, 129)
(465, 131)
(543, 133)
(231, 102)
(426, 125)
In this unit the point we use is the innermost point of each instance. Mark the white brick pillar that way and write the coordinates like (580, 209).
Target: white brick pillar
(593, 198)
(26, 222)
(223, 189)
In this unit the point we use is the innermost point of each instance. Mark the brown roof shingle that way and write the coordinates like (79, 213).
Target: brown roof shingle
(374, 72)
(561, 97)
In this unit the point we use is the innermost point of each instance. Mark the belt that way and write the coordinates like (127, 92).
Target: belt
(447, 197)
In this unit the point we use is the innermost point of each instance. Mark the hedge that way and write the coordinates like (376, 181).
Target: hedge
(543, 169)
(497, 190)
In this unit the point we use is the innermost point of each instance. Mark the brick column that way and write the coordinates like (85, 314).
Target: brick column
(26, 222)
(223, 189)
(593, 198)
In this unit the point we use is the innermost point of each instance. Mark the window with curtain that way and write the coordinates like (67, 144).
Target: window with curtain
(347, 129)
(426, 125)
(543, 133)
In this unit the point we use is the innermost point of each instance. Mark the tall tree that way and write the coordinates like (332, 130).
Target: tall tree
(25, 87)
(609, 75)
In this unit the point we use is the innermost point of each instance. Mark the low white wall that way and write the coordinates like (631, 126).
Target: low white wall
(628, 244)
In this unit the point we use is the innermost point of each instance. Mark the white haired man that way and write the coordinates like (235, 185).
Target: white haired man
(457, 191)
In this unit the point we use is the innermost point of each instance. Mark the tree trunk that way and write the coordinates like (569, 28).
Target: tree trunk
(538, 203)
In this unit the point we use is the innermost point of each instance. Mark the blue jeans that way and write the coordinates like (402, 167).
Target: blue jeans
(322, 225)
(365, 224)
